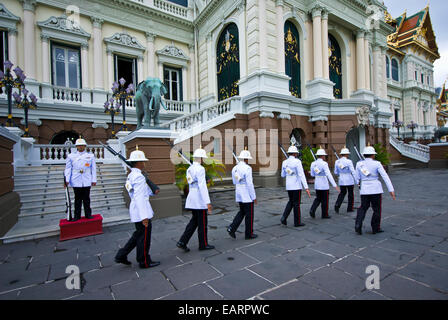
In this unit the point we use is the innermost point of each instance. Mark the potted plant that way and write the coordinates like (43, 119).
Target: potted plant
(213, 169)
(412, 125)
(382, 156)
(398, 124)
(307, 159)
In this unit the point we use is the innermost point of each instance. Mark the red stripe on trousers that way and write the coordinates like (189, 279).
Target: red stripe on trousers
(203, 221)
(252, 219)
(328, 194)
(379, 223)
(144, 246)
(300, 196)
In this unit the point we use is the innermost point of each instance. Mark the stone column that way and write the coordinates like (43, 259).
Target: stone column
(192, 71)
(98, 54)
(367, 62)
(360, 76)
(85, 66)
(160, 65)
(12, 45)
(110, 69)
(325, 57)
(210, 63)
(29, 41)
(317, 42)
(242, 39)
(376, 71)
(262, 44)
(280, 38)
(45, 60)
(184, 83)
(383, 73)
(139, 69)
(150, 37)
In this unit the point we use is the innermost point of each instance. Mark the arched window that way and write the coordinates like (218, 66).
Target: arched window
(228, 63)
(395, 70)
(335, 63)
(387, 67)
(292, 58)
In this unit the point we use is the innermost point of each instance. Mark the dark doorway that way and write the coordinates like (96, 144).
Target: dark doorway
(62, 136)
(125, 68)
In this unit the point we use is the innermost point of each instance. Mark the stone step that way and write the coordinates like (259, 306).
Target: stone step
(60, 194)
(56, 185)
(60, 201)
(20, 180)
(60, 209)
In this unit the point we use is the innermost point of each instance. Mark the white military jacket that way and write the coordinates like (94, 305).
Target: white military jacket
(80, 169)
(139, 192)
(198, 197)
(343, 167)
(322, 174)
(244, 186)
(368, 171)
(295, 176)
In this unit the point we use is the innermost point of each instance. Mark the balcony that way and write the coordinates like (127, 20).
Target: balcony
(168, 7)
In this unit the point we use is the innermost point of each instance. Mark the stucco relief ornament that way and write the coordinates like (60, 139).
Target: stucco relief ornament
(363, 115)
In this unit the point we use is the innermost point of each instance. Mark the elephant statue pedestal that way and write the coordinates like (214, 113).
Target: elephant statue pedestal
(160, 169)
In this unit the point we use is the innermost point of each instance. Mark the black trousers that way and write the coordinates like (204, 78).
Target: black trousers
(368, 200)
(341, 196)
(246, 212)
(293, 203)
(198, 220)
(82, 196)
(321, 199)
(141, 238)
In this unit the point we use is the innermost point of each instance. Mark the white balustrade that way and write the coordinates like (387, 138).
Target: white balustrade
(414, 151)
(171, 8)
(70, 95)
(57, 154)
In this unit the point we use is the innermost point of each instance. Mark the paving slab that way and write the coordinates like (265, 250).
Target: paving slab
(296, 290)
(357, 266)
(197, 292)
(309, 258)
(396, 287)
(231, 261)
(386, 256)
(432, 276)
(151, 285)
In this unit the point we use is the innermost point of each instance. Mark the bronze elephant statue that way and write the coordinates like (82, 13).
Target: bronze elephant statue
(148, 99)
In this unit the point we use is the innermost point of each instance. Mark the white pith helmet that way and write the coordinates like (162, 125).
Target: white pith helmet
(369, 150)
(293, 149)
(345, 150)
(245, 154)
(321, 152)
(137, 155)
(80, 142)
(200, 153)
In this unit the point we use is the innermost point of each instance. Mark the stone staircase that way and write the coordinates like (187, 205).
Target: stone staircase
(43, 199)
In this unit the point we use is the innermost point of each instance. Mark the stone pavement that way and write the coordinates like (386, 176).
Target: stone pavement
(325, 259)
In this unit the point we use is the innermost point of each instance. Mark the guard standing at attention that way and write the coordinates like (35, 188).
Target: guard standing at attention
(141, 214)
(321, 172)
(198, 201)
(371, 190)
(80, 173)
(343, 167)
(295, 179)
(244, 195)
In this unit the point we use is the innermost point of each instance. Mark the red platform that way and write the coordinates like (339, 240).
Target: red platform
(81, 228)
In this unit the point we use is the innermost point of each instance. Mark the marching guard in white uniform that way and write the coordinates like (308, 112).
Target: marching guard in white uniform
(321, 172)
(141, 214)
(344, 168)
(244, 195)
(198, 201)
(292, 169)
(371, 190)
(80, 173)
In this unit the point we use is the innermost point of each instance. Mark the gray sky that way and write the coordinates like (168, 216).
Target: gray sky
(438, 10)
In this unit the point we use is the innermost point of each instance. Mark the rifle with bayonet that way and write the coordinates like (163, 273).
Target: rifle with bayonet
(283, 150)
(234, 154)
(360, 156)
(312, 152)
(154, 188)
(335, 153)
(179, 152)
(68, 202)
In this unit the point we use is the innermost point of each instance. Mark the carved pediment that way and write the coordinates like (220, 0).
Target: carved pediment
(126, 40)
(63, 24)
(6, 14)
(173, 51)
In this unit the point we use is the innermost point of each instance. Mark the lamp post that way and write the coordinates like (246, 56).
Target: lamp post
(398, 124)
(7, 81)
(25, 104)
(122, 94)
(112, 109)
(412, 125)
